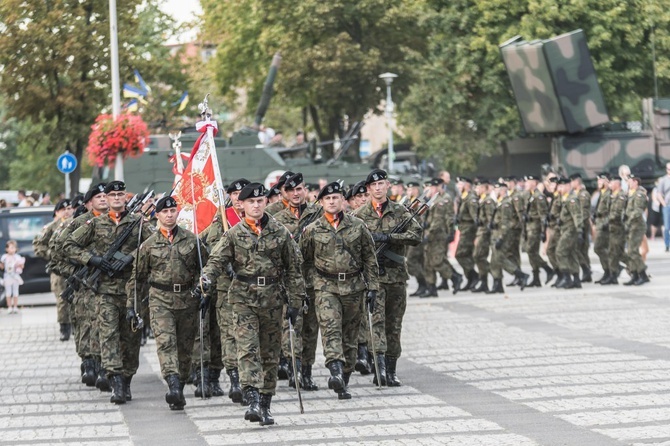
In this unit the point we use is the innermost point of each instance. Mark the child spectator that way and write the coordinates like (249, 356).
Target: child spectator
(12, 263)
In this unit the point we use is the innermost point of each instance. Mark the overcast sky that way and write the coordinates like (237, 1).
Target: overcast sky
(182, 11)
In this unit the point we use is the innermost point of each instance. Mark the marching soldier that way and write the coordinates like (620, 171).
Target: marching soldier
(466, 217)
(585, 202)
(120, 346)
(535, 213)
(273, 195)
(281, 204)
(616, 218)
(553, 227)
(516, 227)
(601, 242)
(483, 239)
(263, 256)
(439, 232)
(572, 234)
(169, 260)
(381, 217)
(636, 227)
(415, 257)
(340, 252)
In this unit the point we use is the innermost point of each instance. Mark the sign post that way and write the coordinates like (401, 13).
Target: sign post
(67, 163)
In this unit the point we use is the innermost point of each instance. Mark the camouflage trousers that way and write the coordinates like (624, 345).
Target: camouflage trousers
(634, 238)
(466, 247)
(119, 345)
(339, 319)
(224, 316)
(616, 248)
(566, 251)
(310, 330)
(532, 245)
(502, 259)
(297, 338)
(415, 261)
(514, 248)
(554, 236)
(211, 346)
(63, 308)
(601, 247)
(175, 332)
(583, 248)
(364, 329)
(86, 310)
(436, 260)
(387, 318)
(258, 335)
(481, 253)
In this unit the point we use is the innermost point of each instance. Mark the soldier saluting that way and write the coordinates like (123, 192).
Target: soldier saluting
(168, 261)
(264, 257)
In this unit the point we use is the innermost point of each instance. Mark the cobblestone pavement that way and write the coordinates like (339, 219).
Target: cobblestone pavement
(583, 367)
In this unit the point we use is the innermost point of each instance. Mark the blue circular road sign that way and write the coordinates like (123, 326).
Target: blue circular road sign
(67, 162)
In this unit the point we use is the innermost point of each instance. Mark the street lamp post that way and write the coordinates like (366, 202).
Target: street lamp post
(388, 111)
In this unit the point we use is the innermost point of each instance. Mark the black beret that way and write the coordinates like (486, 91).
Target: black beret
(603, 175)
(115, 186)
(575, 176)
(285, 176)
(563, 180)
(77, 201)
(79, 211)
(500, 184)
(413, 184)
(635, 177)
(95, 190)
(348, 195)
(376, 175)
(252, 190)
(531, 177)
(166, 203)
(396, 181)
(615, 177)
(237, 185)
(312, 187)
(554, 180)
(273, 191)
(482, 181)
(510, 178)
(62, 204)
(435, 182)
(359, 188)
(332, 188)
(464, 180)
(293, 181)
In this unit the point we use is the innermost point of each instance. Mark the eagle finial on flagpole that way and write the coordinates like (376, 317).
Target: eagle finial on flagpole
(205, 111)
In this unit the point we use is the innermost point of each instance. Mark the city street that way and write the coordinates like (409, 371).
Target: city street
(588, 367)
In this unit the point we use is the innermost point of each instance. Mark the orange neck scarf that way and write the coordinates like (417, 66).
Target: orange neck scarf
(169, 234)
(254, 225)
(378, 207)
(334, 220)
(115, 216)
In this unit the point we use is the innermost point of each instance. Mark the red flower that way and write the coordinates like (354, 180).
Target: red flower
(128, 134)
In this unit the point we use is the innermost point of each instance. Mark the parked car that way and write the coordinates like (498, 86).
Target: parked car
(22, 225)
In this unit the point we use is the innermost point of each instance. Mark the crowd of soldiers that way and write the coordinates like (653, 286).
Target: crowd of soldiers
(251, 293)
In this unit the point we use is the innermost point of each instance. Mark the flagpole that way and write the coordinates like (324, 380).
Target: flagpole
(116, 86)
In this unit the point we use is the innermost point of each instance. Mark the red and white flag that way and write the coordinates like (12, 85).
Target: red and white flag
(198, 193)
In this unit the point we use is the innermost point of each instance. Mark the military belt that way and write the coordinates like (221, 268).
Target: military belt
(340, 277)
(258, 280)
(175, 287)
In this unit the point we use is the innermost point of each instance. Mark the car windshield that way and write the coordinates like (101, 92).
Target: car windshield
(24, 228)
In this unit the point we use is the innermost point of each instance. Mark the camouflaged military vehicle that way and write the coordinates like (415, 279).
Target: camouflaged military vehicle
(558, 97)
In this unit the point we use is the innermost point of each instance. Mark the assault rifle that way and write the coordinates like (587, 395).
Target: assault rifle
(112, 256)
(309, 220)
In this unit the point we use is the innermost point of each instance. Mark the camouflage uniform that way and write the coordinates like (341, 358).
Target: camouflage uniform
(41, 248)
(516, 228)
(636, 227)
(171, 269)
(572, 222)
(503, 219)
(276, 207)
(483, 241)
(269, 258)
(554, 233)
(617, 240)
(438, 227)
(536, 212)
(601, 243)
(583, 249)
(392, 298)
(467, 225)
(343, 265)
(120, 346)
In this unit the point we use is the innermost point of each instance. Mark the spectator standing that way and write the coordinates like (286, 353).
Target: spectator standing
(655, 216)
(664, 199)
(12, 264)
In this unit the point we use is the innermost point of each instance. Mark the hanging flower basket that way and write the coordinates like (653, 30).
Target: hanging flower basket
(128, 135)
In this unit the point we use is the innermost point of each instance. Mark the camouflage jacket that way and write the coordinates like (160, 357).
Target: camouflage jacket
(297, 225)
(503, 218)
(585, 201)
(439, 220)
(637, 206)
(485, 212)
(536, 207)
(60, 261)
(276, 207)
(554, 212)
(617, 210)
(349, 249)
(518, 205)
(392, 215)
(467, 210)
(602, 211)
(168, 265)
(271, 257)
(41, 240)
(571, 213)
(95, 237)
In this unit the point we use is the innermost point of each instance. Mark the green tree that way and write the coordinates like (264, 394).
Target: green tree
(332, 52)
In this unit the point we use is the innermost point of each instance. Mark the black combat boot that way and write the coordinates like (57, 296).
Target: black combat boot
(457, 280)
(253, 413)
(430, 291)
(381, 363)
(473, 278)
(391, 376)
(282, 371)
(172, 395)
(181, 401)
(604, 278)
(497, 287)
(642, 278)
(514, 282)
(102, 382)
(522, 278)
(634, 277)
(235, 391)
(362, 365)
(65, 330)
(202, 382)
(307, 381)
(192, 375)
(143, 338)
(292, 378)
(126, 388)
(118, 389)
(343, 393)
(559, 276)
(610, 280)
(422, 286)
(89, 377)
(563, 280)
(576, 283)
(550, 272)
(214, 385)
(336, 381)
(266, 415)
(586, 274)
(536, 280)
(483, 285)
(444, 285)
